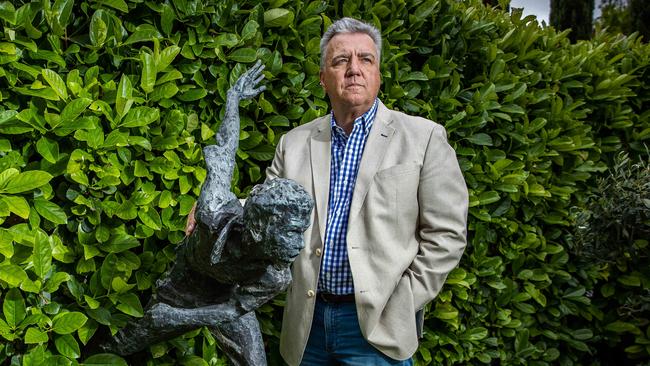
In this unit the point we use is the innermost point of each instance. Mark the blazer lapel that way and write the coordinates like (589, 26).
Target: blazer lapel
(380, 135)
(320, 151)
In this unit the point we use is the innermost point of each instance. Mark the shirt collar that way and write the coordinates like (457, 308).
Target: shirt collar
(365, 119)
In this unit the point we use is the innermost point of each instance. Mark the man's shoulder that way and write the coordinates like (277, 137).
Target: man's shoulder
(307, 129)
(415, 124)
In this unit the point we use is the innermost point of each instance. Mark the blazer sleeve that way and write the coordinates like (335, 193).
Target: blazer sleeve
(277, 165)
(442, 226)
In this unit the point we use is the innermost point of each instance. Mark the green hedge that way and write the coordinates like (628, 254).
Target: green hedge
(105, 106)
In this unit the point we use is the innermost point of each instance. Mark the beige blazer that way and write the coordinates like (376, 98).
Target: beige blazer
(406, 232)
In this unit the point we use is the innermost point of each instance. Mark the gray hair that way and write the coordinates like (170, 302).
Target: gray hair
(348, 25)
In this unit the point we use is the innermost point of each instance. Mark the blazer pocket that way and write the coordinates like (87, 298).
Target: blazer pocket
(397, 170)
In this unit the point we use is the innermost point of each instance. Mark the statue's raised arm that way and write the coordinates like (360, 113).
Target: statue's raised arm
(236, 259)
(220, 158)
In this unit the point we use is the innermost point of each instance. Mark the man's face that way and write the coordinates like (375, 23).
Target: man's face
(351, 73)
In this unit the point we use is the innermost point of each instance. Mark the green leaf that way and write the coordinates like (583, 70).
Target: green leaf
(87, 331)
(227, 40)
(130, 304)
(50, 211)
(48, 56)
(140, 141)
(120, 242)
(53, 283)
(445, 312)
(8, 48)
(278, 17)
(475, 334)
(143, 33)
(167, 56)
(101, 315)
(66, 323)
(74, 108)
(67, 346)
(169, 76)
(26, 181)
(6, 243)
(115, 4)
(98, 29)
(167, 18)
(193, 94)
(608, 289)
(94, 137)
(192, 360)
(249, 31)
(13, 307)
(262, 152)
(6, 175)
(120, 286)
(123, 100)
(41, 254)
(45, 93)
(12, 274)
(140, 116)
(165, 91)
(150, 217)
(127, 211)
(34, 336)
(622, 327)
(83, 123)
(7, 116)
(582, 334)
(92, 303)
(105, 359)
(5, 331)
(630, 280)
(35, 357)
(56, 82)
(62, 9)
(243, 55)
(48, 149)
(8, 12)
(416, 76)
(481, 139)
(148, 79)
(17, 205)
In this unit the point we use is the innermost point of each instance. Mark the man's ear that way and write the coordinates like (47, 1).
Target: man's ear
(322, 83)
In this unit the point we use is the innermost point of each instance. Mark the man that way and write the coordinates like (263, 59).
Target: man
(234, 261)
(390, 217)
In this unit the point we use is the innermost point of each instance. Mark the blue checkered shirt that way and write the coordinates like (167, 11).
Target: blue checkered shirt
(335, 274)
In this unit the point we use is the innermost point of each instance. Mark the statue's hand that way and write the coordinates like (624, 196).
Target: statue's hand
(245, 87)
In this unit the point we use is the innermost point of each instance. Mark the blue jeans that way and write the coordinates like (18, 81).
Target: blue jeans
(336, 339)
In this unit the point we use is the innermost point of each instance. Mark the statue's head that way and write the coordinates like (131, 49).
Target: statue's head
(275, 216)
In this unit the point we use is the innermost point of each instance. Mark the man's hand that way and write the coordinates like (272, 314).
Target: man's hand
(191, 221)
(245, 87)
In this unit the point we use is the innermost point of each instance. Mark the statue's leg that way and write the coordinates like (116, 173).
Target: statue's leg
(241, 340)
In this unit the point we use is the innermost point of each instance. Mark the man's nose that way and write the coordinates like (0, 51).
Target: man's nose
(353, 67)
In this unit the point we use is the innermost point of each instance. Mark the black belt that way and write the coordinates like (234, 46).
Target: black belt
(336, 298)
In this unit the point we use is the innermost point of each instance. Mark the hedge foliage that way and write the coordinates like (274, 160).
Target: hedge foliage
(105, 105)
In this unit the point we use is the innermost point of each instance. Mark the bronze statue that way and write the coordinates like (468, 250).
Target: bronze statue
(236, 259)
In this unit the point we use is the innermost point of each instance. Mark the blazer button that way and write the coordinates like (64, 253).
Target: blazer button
(310, 293)
(319, 251)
